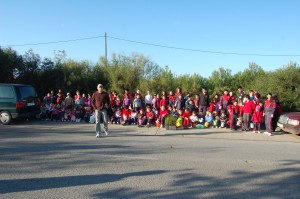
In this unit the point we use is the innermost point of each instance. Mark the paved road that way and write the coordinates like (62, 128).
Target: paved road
(65, 160)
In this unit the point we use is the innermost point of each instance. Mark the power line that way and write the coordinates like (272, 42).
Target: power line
(54, 42)
(157, 45)
(204, 51)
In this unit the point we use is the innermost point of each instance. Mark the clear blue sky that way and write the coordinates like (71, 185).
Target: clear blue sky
(262, 27)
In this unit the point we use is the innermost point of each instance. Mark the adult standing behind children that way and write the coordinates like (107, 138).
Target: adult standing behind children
(100, 102)
(203, 101)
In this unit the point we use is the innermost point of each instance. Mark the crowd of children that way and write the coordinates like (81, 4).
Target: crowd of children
(244, 111)
(66, 109)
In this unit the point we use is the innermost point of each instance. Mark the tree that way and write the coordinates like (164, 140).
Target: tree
(10, 61)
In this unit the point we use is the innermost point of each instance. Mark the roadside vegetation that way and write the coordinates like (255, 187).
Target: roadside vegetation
(137, 71)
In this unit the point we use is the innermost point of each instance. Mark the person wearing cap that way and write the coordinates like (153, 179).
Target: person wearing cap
(100, 102)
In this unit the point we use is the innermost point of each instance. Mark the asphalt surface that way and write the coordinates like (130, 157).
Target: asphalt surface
(65, 160)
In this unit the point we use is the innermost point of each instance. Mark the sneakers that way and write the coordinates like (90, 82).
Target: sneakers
(269, 134)
(106, 132)
(97, 135)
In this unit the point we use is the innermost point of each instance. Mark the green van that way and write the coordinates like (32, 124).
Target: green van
(17, 101)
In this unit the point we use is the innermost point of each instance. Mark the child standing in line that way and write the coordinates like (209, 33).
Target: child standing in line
(163, 101)
(218, 108)
(212, 106)
(257, 118)
(137, 103)
(126, 101)
(171, 99)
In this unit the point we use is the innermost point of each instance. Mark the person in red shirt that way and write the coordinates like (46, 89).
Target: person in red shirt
(150, 116)
(163, 101)
(257, 118)
(225, 101)
(171, 98)
(186, 119)
(157, 103)
(126, 112)
(231, 98)
(117, 101)
(241, 105)
(112, 96)
(212, 106)
(162, 115)
(249, 107)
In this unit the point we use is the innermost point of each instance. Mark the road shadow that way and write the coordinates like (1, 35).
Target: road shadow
(239, 184)
(33, 184)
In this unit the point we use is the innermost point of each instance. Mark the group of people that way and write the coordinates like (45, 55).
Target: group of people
(66, 108)
(244, 111)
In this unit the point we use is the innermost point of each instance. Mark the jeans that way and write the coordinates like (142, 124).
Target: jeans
(98, 115)
(203, 109)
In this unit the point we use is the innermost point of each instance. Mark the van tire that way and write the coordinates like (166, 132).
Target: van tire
(5, 117)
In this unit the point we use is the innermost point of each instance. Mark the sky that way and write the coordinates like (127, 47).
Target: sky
(190, 36)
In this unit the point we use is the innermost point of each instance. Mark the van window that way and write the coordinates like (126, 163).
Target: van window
(6, 92)
(27, 92)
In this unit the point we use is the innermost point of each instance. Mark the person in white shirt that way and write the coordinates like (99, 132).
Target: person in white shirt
(148, 99)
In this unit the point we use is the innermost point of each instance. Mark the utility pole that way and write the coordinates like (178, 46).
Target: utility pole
(105, 43)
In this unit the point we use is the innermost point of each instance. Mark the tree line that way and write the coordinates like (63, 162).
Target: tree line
(137, 71)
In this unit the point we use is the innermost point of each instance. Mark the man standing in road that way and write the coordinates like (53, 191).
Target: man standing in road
(100, 103)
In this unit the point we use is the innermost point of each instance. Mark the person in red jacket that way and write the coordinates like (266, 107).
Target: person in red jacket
(241, 108)
(186, 119)
(249, 107)
(225, 99)
(156, 102)
(257, 118)
(126, 112)
(163, 113)
(163, 101)
(171, 98)
(150, 116)
(232, 98)
(212, 106)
